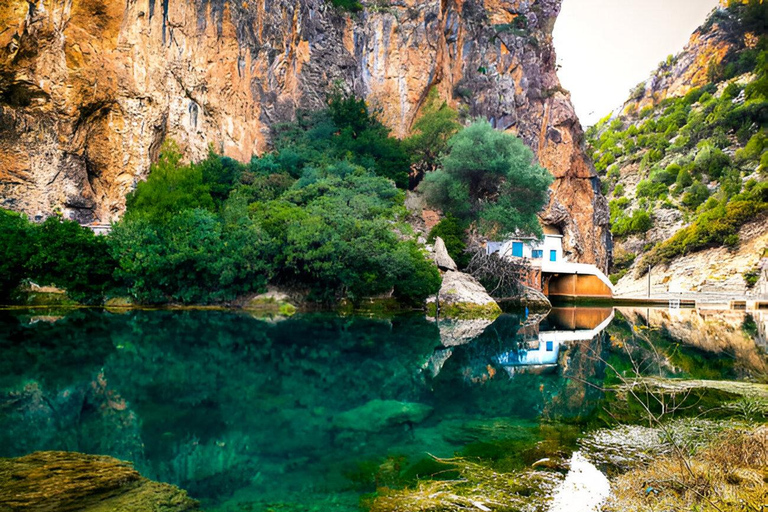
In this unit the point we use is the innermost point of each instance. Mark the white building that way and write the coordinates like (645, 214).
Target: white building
(550, 249)
(548, 256)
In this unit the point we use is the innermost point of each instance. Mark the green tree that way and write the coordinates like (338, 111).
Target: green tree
(430, 136)
(346, 130)
(337, 232)
(16, 247)
(220, 174)
(194, 257)
(489, 177)
(72, 257)
(170, 188)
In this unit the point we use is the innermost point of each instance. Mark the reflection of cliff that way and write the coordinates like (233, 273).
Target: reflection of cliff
(90, 88)
(722, 334)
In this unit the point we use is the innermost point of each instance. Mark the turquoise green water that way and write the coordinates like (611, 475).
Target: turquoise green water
(316, 411)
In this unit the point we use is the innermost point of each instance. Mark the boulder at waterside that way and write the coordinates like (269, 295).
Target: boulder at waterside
(462, 296)
(442, 258)
(66, 481)
(378, 415)
(531, 298)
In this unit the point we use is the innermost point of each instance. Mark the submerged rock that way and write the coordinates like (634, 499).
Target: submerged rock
(66, 481)
(378, 415)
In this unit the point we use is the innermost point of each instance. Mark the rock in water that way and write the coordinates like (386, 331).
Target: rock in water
(462, 296)
(531, 298)
(66, 481)
(378, 415)
(442, 258)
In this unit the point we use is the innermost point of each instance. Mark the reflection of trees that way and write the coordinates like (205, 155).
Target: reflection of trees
(204, 399)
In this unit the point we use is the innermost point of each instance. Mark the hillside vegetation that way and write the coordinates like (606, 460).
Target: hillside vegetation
(684, 172)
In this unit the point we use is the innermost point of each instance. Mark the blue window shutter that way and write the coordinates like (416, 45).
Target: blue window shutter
(538, 254)
(517, 249)
(550, 346)
(553, 255)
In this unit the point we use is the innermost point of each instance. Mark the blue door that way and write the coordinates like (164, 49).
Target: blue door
(517, 249)
(552, 255)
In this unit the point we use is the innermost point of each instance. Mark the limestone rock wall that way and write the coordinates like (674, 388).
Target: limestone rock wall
(89, 89)
(716, 39)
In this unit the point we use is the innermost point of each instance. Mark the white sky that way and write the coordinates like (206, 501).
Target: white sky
(606, 47)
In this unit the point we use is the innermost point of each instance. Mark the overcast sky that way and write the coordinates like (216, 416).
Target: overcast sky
(606, 47)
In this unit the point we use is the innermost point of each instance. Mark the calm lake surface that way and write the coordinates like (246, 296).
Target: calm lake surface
(307, 413)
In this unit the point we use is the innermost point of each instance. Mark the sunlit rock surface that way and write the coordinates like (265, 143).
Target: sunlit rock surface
(89, 89)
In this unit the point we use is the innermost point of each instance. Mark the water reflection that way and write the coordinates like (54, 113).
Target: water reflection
(243, 411)
(561, 327)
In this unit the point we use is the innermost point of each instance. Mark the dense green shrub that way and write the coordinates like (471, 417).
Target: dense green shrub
(16, 247)
(170, 188)
(711, 161)
(651, 189)
(715, 226)
(57, 252)
(754, 148)
(193, 257)
(637, 223)
(335, 235)
(696, 195)
(72, 257)
(346, 130)
(490, 177)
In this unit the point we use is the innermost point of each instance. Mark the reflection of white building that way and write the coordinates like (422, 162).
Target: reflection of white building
(545, 351)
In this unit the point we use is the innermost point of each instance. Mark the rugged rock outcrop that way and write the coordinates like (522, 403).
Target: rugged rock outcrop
(443, 260)
(89, 89)
(68, 481)
(694, 67)
(462, 297)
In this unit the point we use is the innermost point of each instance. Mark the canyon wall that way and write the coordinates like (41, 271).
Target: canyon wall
(89, 89)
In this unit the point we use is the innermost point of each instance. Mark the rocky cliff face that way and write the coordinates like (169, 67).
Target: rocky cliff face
(89, 89)
(710, 45)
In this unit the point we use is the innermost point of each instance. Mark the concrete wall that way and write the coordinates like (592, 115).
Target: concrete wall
(577, 285)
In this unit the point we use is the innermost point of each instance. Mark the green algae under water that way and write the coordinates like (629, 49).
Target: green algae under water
(317, 411)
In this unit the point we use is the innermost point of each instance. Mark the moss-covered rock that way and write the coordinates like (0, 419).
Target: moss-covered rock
(66, 481)
(462, 297)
